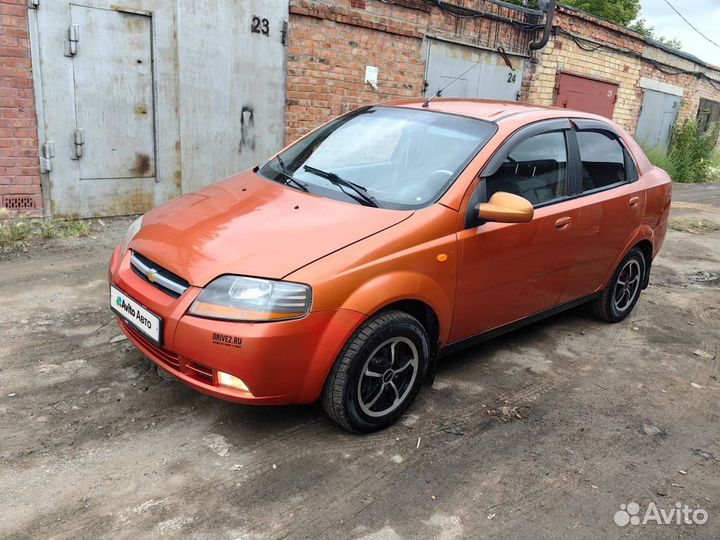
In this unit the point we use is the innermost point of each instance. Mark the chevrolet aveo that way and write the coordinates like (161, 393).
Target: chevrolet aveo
(346, 265)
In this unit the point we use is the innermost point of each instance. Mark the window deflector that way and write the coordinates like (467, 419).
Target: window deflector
(524, 133)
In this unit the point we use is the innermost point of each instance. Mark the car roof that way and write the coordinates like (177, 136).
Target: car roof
(494, 111)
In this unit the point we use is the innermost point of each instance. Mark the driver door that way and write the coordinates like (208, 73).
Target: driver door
(510, 271)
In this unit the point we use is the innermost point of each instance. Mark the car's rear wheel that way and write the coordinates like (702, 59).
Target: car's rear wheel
(378, 373)
(620, 296)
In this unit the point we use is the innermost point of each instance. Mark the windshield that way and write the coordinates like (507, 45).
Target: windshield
(395, 157)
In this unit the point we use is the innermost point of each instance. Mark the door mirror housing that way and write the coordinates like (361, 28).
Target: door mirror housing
(506, 208)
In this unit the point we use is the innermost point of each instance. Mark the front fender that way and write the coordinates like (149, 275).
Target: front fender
(381, 291)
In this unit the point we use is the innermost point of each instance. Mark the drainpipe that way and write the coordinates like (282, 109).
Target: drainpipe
(549, 10)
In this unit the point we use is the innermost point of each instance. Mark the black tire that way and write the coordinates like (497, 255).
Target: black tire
(349, 378)
(606, 306)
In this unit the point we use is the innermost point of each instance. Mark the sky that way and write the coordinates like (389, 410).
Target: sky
(703, 14)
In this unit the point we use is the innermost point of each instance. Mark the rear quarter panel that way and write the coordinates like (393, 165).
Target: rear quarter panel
(657, 207)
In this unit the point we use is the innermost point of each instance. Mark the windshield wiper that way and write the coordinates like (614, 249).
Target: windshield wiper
(289, 179)
(361, 195)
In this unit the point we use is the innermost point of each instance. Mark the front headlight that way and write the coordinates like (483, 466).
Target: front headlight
(239, 298)
(133, 229)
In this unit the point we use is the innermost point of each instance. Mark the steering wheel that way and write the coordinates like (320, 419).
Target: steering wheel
(435, 179)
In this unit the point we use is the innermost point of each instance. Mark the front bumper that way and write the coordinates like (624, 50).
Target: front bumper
(280, 362)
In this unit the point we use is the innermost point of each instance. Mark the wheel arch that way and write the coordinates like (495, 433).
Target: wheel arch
(643, 238)
(423, 312)
(646, 247)
(416, 293)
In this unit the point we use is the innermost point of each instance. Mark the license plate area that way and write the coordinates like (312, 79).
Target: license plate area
(139, 317)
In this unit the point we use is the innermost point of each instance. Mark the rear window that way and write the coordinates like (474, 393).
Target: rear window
(603, 159)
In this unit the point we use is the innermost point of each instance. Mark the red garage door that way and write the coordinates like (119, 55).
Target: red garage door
(585, 94)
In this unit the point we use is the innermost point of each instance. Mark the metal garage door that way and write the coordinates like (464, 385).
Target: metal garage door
(585, 94)
(492, 79)
(657, 117)
(708, 113)
(102, 73)
(232, 80)
(140, 100)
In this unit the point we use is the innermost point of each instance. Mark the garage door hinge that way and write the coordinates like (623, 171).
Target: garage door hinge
(284, 33)
(71, 43)
(33, 4)
(46, 156)
(79, 143)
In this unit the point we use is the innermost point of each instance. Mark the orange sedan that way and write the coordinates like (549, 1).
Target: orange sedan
(346, 265)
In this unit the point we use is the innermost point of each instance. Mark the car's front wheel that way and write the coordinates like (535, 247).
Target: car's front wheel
(619, 298)
(378, 373)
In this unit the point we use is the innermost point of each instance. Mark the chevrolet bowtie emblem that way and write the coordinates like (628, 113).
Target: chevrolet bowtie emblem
(152, 275)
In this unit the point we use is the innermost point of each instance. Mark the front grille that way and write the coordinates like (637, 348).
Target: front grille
(165, 356)
(200, 372)
(157, 276)
(170, 359)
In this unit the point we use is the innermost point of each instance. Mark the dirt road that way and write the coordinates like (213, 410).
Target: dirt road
(542, 433)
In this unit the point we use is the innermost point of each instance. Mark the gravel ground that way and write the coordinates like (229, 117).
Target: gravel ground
(542, 433)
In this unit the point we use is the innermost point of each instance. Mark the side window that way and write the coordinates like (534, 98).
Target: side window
(603, 159)
(535, 169)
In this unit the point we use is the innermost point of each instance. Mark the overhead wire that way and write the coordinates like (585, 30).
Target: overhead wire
(691, 25)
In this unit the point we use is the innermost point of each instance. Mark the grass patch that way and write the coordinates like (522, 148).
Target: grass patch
(691, 157)
(18, 232)
(693, 225)
(658, 157)
(714, 167)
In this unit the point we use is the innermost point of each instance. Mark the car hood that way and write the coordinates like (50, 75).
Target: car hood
(252, 226)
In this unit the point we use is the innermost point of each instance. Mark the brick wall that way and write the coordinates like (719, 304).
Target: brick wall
(19, 169)
(695, 87)
(331, 42)
(616, 55)
(563, 54)
(328, 50)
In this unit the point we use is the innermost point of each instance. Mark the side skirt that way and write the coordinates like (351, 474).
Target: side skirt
(495, 332)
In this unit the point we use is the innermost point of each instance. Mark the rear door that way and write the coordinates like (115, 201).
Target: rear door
(611, 205)
(509, 271)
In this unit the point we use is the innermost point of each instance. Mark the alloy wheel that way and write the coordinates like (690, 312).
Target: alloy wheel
(627, 285)
(387, 377)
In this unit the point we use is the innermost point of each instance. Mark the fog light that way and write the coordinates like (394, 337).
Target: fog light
(231, 381)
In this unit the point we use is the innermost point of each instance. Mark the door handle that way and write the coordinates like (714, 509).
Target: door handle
(563, 222)
(634, 201)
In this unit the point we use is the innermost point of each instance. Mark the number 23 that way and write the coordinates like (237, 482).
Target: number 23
(260, 26)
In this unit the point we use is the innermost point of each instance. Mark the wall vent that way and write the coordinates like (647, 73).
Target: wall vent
(18, 202)
(359, 4)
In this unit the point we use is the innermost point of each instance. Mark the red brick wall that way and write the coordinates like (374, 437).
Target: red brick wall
(19, 169)
(331, 42)
(326, 69)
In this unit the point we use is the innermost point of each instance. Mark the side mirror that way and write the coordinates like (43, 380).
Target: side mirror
(506, 208)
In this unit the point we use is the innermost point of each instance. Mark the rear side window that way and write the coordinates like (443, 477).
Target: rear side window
(535, 169)
(603, 159)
